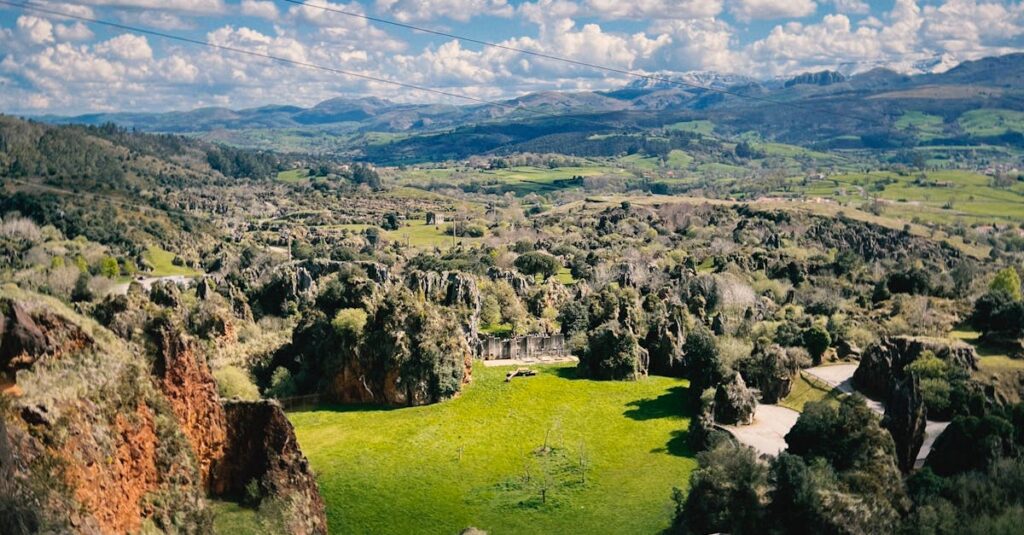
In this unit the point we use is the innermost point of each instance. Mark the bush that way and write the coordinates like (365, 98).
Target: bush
(282, 384)
(349, 322)
(817, 340)
(232, 382)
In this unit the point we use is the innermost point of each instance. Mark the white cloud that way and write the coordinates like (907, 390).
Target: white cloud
(656, 9)
(747, 10)
(265, 9)
(72, 32)
(542, 10)
(703, 44)
(36, 30)
(852, 7)
(126, 46)
(189, 6)
(156, 19)
(965, 26)
(458, 10)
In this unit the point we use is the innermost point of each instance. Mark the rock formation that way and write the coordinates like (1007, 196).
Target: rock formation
(734, 402)
(262, 448)
(186, 381)
(84, 437)
(96, 442)
(905, 418)
(771, 370)
(885, 360)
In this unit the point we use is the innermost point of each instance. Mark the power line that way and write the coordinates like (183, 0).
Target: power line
(615, 70)
(297, 63)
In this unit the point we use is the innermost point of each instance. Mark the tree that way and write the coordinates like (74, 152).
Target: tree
(725, 492)
(613, 352)
(390, 222)
(1007, 281)
(109, 267)
(538, 263)
(703, 362)
(364, 174)
(817, 340)
(349, 323)
(82, 292)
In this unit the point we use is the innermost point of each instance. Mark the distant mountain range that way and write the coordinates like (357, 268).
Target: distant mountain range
(816, 104)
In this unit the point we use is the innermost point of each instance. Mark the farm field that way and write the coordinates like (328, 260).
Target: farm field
(463, 462)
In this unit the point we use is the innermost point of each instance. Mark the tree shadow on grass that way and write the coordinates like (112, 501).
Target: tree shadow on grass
(568, 372)
(678, 444)
(671, 404)
(338, 407)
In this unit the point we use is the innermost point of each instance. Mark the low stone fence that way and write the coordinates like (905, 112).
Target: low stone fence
(299, 402)
(522, 347)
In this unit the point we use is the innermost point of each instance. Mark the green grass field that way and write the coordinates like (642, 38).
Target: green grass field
(420, 234)
(991, 122)
(163, 264)
(926, 126)
(701, 127)
(989, 358)
(463, 462)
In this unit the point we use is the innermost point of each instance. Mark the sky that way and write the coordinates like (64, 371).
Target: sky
(55, 65)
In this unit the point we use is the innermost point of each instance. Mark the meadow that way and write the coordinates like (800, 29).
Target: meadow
(546, 454)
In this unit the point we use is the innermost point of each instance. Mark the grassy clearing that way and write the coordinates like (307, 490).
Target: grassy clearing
(989, 358)
(420, 234)
(229, 518)
(163, 264)
(441, 468)
(701, 127)
(293, 176)
(804, 391)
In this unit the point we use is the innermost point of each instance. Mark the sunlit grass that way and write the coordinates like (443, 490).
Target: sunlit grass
(443, 467)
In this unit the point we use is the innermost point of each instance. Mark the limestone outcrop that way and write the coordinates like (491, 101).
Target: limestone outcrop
(906, 418)
(734, 402)
(885, 360)
(262, 448)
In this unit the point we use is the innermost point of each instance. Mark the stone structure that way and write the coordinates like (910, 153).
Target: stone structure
(885, 360)
(734, 402)
(522, 347)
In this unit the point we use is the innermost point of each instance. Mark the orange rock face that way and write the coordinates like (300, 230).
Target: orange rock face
(111, 489)
(186, 381)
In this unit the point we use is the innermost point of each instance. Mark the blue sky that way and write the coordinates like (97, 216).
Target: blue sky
(52, 64)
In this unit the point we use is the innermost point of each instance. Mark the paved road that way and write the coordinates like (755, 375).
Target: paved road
(841, 376)
(768, 432)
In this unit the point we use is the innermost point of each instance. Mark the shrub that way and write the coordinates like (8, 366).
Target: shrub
(817, 340)
(1007, 281)
(232, 382)
(349, 322)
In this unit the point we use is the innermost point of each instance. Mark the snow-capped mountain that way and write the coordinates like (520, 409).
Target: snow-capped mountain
(710, 79)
